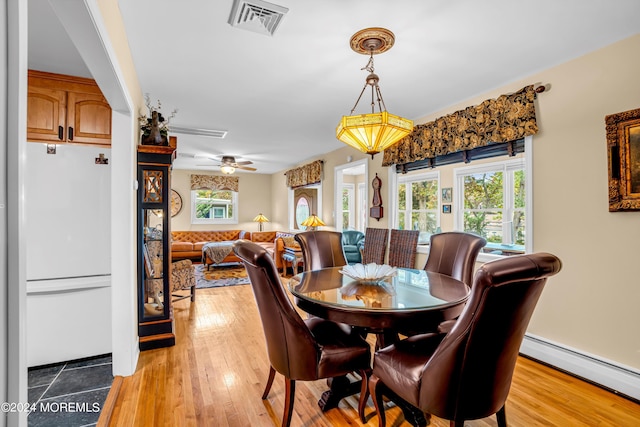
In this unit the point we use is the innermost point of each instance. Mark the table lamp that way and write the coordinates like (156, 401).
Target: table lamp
(260, 219)
(312, 222)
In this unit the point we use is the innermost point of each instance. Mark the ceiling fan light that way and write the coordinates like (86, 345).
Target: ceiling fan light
(227, 170)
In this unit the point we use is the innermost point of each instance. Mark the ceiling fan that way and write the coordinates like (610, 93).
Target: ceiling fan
(228, 164)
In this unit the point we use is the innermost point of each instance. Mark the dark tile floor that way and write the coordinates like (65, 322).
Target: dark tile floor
(69, 394)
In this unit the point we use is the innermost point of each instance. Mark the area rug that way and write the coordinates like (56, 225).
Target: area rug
(220, 275)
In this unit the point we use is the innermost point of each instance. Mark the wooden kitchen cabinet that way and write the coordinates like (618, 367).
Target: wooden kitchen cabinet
(66, 109)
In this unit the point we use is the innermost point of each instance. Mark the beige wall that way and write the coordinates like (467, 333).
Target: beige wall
(592, 305)
(254, 197)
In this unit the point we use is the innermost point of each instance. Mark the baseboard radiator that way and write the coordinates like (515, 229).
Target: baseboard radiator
(618, 378)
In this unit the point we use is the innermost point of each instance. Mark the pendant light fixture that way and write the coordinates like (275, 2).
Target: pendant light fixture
(372, 133)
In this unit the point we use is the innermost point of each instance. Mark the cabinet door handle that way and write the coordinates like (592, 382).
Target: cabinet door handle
(60, 132)
(70, 133)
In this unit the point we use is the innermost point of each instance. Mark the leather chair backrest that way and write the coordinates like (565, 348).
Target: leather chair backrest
(321, 249)
(454, 254)
(375, 245)
(469, 374)
(291, 347)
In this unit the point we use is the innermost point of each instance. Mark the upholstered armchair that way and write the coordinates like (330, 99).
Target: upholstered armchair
(183, 278)
(352, 243)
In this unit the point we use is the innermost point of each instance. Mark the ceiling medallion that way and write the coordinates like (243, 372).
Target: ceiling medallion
(372, 41)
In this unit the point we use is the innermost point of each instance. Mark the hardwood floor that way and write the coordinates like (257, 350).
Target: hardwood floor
(216, 373)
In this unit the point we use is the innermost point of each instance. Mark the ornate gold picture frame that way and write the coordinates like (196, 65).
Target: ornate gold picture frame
(623, 150)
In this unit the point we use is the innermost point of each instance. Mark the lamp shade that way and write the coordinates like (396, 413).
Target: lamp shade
(312, 222)
(260, 219)
(372, 133)
(227, 170)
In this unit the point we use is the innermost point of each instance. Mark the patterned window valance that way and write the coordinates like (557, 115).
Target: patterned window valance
(214, 182)
(305, 175)
(506, 118)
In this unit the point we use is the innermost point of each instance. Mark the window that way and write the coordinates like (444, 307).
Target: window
(492, 203)
(302, 212)
(304, 202)
(347, 207)
(214, 207)
(417, 202)
(362, 210)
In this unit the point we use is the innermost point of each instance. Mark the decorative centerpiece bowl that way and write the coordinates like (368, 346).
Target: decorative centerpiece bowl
(369, 273)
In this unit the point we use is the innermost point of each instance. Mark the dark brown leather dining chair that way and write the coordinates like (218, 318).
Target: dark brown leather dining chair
(375, 245)
(321, 249)
(300, 350)
(403, 246)
(466, 374)
(454, 253)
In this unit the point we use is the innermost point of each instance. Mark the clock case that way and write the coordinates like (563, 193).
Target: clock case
(155, 315)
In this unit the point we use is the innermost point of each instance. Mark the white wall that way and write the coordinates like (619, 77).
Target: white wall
(13, 263)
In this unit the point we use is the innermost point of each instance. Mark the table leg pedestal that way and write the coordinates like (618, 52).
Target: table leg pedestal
(412, 415)
(339, 388)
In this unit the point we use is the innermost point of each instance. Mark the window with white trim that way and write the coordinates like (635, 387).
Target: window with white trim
(362, 210)
(348, 217)
(417, 202)
(491, 202)
(214, 207)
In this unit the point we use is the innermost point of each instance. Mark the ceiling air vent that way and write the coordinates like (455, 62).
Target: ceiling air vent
(256, 15)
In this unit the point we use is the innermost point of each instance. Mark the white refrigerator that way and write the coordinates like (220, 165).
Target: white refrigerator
(68, 252)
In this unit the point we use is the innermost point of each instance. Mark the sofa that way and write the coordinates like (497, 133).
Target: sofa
(352, 243)
(188, 244)
(274, 242)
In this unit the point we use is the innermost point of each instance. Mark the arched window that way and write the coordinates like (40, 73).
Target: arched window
(303, 211)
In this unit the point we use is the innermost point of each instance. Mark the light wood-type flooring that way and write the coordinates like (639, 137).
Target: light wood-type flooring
(216, 373)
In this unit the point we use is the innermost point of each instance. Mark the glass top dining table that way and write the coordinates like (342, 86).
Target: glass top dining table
(412, 300)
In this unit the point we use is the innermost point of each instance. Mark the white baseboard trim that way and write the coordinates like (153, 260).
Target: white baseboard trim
(618, 378)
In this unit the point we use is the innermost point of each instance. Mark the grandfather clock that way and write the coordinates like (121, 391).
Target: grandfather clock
(155, 315)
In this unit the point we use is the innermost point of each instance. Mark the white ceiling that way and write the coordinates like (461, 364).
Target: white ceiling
(280, 97)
